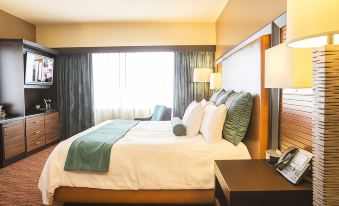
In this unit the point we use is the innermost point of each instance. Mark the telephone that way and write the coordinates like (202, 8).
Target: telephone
(294, 163)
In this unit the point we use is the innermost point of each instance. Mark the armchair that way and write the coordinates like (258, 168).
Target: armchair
(160, 113)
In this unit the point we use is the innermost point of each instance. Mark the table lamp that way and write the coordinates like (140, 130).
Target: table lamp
(285, 68)
(315, 24)
(288, 68)
(215, 81)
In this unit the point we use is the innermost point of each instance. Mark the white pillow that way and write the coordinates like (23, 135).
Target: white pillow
(192, 118)
(205, 103)
(213, 122)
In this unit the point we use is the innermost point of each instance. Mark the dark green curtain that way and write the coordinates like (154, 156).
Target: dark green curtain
(185, 91)
(75, 93)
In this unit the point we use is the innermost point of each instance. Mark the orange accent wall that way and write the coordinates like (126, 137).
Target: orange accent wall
(12, 27)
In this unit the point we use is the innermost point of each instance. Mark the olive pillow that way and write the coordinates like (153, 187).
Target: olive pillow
(239, 109)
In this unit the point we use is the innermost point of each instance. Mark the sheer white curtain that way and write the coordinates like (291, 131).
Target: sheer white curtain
(129, 85)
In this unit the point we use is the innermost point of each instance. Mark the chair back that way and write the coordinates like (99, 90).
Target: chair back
(159, 112)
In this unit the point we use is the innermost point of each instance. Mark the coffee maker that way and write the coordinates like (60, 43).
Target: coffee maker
(48, 103)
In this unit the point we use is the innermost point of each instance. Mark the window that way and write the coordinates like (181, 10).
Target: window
(129, 85)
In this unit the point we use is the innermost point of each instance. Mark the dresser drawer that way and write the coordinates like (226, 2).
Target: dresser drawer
(35, 123)
(35, 141)
(35, 132)
(52, 119)
(17, 147)
(14, 139)
(52, 135)
(14, 128)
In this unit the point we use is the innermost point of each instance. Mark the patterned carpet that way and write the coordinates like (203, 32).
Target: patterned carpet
(19, 181)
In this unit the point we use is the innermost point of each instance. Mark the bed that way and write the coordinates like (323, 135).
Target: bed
(151, 165)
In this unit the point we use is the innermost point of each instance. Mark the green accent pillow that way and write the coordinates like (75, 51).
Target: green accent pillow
(222, 98)
(239, 109)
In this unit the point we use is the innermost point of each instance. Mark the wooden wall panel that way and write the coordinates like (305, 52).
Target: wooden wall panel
(295, 115)
(296, 119)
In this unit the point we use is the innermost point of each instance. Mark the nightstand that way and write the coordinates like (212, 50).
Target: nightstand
(253, 182)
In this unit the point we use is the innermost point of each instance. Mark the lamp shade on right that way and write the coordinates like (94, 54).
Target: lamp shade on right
(215, 81)
(288, 67)
(311, 21)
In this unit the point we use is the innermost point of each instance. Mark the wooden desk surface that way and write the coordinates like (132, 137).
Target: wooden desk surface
(254, 175)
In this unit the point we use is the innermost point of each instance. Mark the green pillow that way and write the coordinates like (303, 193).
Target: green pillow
(239, 109)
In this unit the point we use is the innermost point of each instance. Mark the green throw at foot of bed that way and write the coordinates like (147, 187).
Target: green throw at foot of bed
(91, 152)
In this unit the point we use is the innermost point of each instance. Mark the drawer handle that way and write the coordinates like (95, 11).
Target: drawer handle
(36, 121)
(37, 143)
(37, 132)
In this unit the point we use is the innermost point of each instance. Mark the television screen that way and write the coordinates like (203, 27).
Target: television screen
(39, 69)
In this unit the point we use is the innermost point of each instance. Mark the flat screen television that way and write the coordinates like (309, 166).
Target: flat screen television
(39, 69)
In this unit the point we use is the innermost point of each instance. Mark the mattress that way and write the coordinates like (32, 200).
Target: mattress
(148, 157)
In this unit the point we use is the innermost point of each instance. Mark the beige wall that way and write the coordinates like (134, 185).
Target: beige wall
(12, 27)
(242, 18)
(125, 34)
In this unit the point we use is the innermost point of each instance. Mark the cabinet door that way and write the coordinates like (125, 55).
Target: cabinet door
(35, 132)
(52, 127)
(14, 139)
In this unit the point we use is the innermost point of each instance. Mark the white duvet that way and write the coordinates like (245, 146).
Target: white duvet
(149, 156)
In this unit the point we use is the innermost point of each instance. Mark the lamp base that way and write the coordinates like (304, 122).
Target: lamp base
(325, 123)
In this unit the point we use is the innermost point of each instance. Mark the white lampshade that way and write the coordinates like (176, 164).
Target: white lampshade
(311, 21)
(215, 81)
(288, 68)
(202, 74)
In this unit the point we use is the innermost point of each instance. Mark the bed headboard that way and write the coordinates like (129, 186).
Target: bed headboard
(244, 70)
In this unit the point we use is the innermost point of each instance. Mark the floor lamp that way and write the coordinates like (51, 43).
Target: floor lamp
(315, 24)
(201, 75)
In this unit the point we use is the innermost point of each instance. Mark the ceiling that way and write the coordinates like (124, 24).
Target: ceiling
(76, 11)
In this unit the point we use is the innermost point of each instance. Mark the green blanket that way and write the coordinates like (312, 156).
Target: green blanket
(91, 152)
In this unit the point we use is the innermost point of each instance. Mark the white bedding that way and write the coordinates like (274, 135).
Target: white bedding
(149, 156)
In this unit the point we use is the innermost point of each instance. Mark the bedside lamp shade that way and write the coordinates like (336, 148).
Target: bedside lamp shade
(215, 81)
(202, 74)
(311, 21)
(288, 68)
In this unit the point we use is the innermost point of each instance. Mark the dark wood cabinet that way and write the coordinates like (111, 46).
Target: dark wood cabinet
(24, 135)
(24, 130)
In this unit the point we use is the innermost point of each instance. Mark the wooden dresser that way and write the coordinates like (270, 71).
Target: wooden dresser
(23, 136)
(13, 139)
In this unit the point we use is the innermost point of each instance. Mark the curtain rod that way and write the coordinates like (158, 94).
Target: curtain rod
(170, 48)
